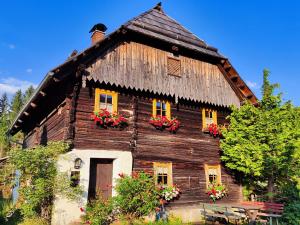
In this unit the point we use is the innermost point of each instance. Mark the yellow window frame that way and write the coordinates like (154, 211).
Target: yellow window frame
(168, 108)
(167, 165)
(214, 117)
(217, 167)
(114, 95)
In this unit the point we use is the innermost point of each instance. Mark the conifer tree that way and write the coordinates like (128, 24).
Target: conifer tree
(16, 104)
(28, 93)
(4, 123)
(3, 104)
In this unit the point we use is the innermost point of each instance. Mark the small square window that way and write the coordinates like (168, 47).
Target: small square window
(174, 66)
(75, 178)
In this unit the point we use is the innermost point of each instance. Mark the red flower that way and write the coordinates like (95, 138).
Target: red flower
(81, 209)
(105, 118)
(162, 122)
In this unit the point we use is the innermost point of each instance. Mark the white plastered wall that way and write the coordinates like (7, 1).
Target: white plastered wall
(66, 211)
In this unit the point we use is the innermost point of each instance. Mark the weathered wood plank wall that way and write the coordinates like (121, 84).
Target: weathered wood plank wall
(141, 67)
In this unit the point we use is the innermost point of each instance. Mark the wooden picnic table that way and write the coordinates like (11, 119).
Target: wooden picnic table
(251, 211)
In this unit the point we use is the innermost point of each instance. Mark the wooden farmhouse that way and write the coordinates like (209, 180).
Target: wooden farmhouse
(151, 67)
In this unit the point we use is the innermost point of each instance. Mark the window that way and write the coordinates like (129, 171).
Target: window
(105, 99)
(75, 178)
(208, 117)
(212, 174)
(161, 108)
(173, 66)
(163, 173)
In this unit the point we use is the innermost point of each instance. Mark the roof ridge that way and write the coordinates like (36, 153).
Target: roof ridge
(187, 30)
(158, 9)
(139, 16)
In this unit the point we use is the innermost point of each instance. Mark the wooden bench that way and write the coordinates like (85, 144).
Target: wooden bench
(215, 211)
(268, 210)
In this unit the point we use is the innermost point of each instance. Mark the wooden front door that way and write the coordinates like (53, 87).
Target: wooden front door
(100, 178)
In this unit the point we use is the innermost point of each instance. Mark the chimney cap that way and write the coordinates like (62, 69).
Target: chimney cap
(99, 27)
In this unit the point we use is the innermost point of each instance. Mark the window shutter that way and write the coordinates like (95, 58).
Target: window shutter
(174, 66)
(168, 105)
(215, 118)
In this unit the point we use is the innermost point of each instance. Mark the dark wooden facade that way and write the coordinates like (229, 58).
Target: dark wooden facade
(137, 71)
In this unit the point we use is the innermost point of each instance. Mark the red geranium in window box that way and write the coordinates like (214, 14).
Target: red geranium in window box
(106, 119)
(162, 122)
(214, 130)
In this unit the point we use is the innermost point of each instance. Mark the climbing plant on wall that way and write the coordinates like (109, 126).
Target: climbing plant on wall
(39, 178)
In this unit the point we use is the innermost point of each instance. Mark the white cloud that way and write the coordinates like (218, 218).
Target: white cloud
(10, 85)
(251, 84)
(29, 70)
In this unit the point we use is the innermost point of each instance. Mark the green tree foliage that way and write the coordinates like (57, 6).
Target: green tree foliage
(28, 93)
(4, 123)
(16, 104)
(4, 104)
(8, 113)
(263, 142)
(38, 176)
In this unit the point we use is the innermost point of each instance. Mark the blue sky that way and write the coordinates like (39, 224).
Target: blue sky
(36, 36)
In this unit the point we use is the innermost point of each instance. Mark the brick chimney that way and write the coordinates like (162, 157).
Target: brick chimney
(98, 32)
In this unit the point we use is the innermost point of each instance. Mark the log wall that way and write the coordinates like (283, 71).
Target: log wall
(52, 128)
(188, 150)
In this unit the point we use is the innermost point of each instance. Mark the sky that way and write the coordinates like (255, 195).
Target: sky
(36, 36)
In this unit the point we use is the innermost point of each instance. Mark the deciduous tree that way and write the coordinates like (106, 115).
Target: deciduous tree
(263, 142)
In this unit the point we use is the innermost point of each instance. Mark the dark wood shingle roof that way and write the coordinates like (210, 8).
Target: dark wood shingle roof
(157, 24)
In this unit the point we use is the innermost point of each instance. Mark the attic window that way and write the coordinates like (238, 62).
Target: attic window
(173, 66)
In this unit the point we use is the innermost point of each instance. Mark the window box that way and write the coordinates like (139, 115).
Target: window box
(162, 122)
(105, 119)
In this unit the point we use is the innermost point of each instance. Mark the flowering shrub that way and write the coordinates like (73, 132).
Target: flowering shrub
(107, 119)
(169, 193)
(162, 122)
(216, 191)
(99, 211)
(137, 195)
